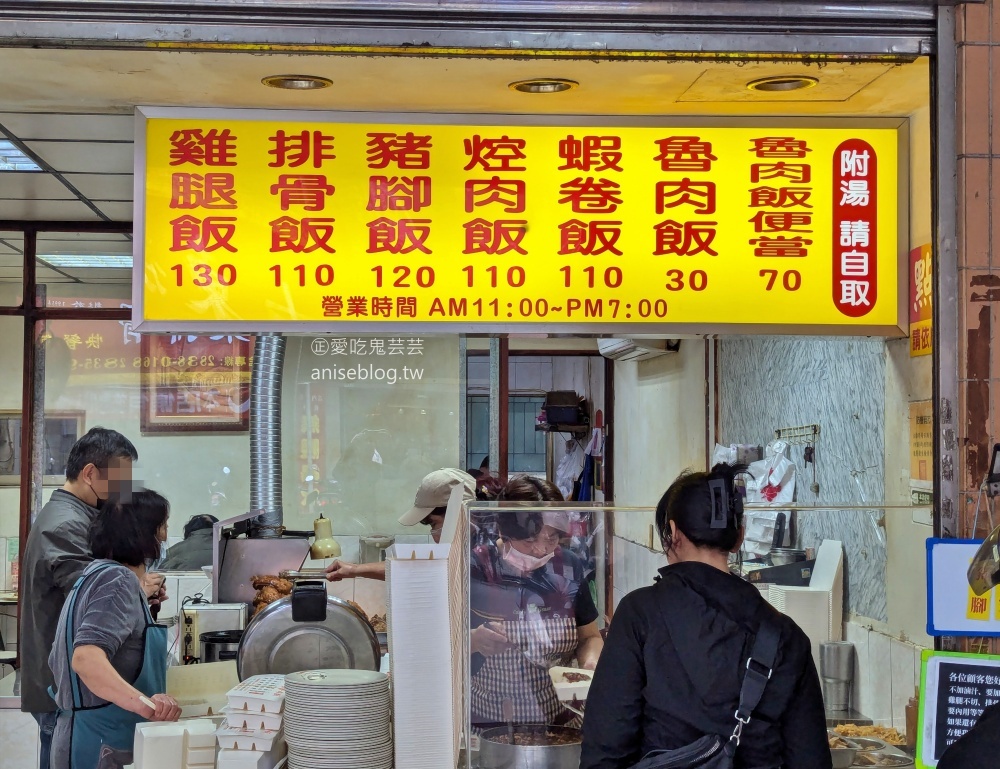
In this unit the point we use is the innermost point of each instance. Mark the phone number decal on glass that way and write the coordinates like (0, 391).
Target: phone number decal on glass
(325, 222)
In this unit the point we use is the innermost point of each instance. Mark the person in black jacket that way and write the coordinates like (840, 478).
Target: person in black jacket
(676, 653)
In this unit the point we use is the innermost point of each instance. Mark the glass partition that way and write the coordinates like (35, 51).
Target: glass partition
(540, 574)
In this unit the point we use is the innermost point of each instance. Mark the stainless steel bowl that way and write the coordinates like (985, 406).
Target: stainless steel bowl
(843, 758)
(782, 556)
(498, 755)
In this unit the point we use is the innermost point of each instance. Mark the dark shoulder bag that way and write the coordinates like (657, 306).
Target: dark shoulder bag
(713, 751)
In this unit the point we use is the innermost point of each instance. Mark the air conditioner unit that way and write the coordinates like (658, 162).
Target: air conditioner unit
(636, 349)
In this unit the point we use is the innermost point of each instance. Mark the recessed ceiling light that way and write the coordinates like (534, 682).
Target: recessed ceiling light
(297, 82)
(12, 159)
(782, 83)
(543, 85)
(121, 261)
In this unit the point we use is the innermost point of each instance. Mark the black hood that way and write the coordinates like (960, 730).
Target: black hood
(711, 616)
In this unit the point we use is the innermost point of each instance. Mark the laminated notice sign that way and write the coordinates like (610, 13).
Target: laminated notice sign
(955, 689)
(255, 220)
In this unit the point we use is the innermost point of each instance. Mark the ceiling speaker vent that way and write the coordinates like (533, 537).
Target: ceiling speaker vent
(636, 349)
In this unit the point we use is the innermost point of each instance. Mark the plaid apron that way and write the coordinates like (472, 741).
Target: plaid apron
(538, 617)
(521, 673)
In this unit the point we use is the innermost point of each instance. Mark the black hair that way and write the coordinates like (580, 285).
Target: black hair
(426, 520)
(485, 464)
(525, 488)
(488, 489)
(197, 523)
(707, 507)
(98, 447)
(127, 532)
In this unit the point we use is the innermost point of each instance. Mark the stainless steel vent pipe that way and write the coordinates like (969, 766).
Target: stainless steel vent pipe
(265, 433)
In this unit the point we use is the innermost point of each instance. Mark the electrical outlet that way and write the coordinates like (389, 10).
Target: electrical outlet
(189, 630)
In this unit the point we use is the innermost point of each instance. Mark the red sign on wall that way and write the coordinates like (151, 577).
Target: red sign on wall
(855, 241)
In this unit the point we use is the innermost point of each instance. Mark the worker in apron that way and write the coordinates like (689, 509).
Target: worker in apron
(102, 736)
(531, 610)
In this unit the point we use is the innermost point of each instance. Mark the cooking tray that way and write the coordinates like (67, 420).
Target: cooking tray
(275, 643)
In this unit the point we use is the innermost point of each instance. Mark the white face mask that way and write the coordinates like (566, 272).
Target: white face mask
(524, 562)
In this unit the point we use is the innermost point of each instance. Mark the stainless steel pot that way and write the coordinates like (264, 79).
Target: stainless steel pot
(220, 645)
(497, 755)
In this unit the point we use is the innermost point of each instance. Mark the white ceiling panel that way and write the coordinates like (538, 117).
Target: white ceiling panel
(85, 157)
(71, 237)
(117, 210)
(65, 247)
(43, 275)
(32, 186)
(9, 246)
(11, 260)
(102, 186)
(48, 126)
(47, 210)
(100, 275)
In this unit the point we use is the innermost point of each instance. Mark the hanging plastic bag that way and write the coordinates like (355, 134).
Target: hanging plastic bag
(569, 470)
(772, 480)
(723, 454)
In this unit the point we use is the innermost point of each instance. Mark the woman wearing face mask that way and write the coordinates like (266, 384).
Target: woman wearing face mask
(532, 609)
(109, 660)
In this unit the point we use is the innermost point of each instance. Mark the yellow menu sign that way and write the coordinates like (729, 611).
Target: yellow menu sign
(263, 222)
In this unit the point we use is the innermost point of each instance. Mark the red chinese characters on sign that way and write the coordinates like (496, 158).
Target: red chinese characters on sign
(189, 233)
(778, 231)
(398, 193)
(685, 238)
(509, 193)
(358, 307)
(307, 190)
(189, 191)
(591, 196)
(398, 237)
(589, 238)
(499, 237)
(591, 153)
(779, 147)
(197, 147)
(684, 153)
(855, 244)
(699, 195)
(405, 151)
(495, 154)
(294, 150)
(301, 236)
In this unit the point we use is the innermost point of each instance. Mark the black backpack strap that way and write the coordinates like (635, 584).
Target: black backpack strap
(760, 666)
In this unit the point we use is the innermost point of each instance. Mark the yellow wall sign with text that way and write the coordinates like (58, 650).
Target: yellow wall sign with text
(264, 223)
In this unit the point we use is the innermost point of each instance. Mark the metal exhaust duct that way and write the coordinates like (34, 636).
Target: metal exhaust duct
(265, 433)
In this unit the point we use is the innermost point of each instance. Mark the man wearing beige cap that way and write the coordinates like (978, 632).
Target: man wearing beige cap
(429, 508)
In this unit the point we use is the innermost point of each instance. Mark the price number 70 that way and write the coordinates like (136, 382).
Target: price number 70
(791, 280)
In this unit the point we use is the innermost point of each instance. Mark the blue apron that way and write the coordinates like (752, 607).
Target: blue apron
(103, 735)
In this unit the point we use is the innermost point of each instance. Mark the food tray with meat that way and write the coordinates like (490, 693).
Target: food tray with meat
(571, 683)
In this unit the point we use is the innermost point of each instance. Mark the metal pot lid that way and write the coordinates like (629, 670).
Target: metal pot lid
(274, 643)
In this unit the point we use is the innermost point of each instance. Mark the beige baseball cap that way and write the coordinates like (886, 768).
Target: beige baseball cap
(435, 491)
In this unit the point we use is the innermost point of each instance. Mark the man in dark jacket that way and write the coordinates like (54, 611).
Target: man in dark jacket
(56, 553)
(196, 549)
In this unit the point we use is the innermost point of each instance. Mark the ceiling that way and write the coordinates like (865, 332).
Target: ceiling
(71, 110)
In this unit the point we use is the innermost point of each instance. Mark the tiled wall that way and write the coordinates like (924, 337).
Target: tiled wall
(886, 671)
(978, 146)
(848, 403)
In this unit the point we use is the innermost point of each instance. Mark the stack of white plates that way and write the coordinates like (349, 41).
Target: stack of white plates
(338, 719)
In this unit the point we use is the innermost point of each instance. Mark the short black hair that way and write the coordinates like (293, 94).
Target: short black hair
(98, 447)
(485, 464)
(126, 532)
(688, 503)
(199, 522)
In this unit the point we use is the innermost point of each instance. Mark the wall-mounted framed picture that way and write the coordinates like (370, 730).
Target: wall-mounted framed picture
(195, 383)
